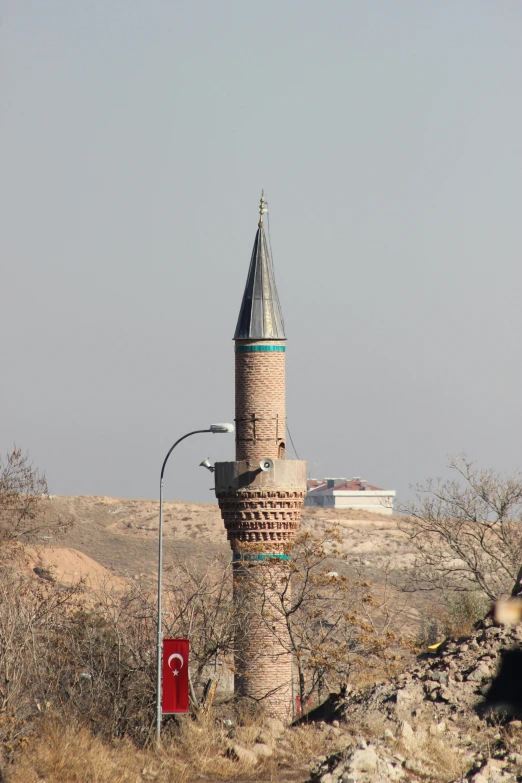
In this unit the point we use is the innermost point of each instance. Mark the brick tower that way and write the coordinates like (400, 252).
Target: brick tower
(261, 508)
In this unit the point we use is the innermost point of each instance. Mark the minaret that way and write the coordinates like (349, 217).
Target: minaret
(261, 494)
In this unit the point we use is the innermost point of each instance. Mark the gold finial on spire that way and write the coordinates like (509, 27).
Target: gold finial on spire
(262, 208)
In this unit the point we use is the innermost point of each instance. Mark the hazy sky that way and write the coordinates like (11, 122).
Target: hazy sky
(136, 137)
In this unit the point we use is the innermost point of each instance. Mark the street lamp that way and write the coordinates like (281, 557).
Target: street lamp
(216, 428)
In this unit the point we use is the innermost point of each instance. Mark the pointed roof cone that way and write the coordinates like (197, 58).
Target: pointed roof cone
(260, 317)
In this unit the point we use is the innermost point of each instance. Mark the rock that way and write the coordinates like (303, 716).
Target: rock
(408, 699)
(364, 760)
(262, 750)
(442, 693)
(416, 767)
(405, 731)
(492, 765)
(442, 677)
(244, 755)
(335, 724)
(479, 673)
(275, 727)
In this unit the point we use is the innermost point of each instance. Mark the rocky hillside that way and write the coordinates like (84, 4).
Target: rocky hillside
(432, 722)
(118, 537)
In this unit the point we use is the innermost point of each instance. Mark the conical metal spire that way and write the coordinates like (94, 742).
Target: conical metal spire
(260, 317)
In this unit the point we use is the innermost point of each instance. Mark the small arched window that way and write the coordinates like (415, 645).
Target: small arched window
(281, 451)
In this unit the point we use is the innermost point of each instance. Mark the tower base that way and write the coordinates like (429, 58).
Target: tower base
(261, 511)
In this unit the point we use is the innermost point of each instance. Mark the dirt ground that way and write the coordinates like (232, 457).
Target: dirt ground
(114, 539)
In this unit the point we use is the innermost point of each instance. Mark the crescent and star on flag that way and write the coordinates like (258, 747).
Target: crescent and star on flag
(172, 657)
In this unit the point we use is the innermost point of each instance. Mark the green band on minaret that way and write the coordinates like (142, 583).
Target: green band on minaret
(259, 348)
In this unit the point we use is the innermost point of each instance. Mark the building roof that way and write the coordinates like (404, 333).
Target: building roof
(341, 485)
(260, 317)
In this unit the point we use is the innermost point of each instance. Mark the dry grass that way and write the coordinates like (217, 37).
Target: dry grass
(442, 755)
(64, 753)
(434, 757)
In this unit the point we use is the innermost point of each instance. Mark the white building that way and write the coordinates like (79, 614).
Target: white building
(349, 493)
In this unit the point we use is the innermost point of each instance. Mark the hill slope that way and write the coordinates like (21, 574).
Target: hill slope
(121, 535)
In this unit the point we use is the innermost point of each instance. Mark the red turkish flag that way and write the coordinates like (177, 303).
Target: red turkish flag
(175, 692)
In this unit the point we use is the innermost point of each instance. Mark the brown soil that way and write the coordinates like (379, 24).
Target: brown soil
(117, 538)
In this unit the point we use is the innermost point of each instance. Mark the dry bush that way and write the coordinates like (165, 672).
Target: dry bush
(461, 611)
(467, 532)
(453, 615)
(335, 628)
(433, 757)
(95, 660)
(23, 501)
(104, 666)
(67, 752)
(97, 664)
(92, 664)
(32, 614)
(199, 606)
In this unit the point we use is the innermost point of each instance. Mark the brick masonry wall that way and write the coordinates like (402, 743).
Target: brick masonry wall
(263, 663)
(260, 403)
(270, 517)
(261, 520)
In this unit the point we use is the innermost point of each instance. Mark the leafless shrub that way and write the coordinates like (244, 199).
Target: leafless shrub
(467, 532)
(31, 615)
(461, 611)
(23, 498)
(333, 626)
(199, 606)
(104, 665)
(90, 657)
(454, 615)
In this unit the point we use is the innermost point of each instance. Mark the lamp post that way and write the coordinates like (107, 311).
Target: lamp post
(215, 428)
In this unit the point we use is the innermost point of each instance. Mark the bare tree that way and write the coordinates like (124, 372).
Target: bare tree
(32, 614)
(466, 531)
(332, 625)
(23, 500)
(104, 663)
(200, 607)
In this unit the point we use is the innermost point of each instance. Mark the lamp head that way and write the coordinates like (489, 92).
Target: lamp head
(221, 427)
